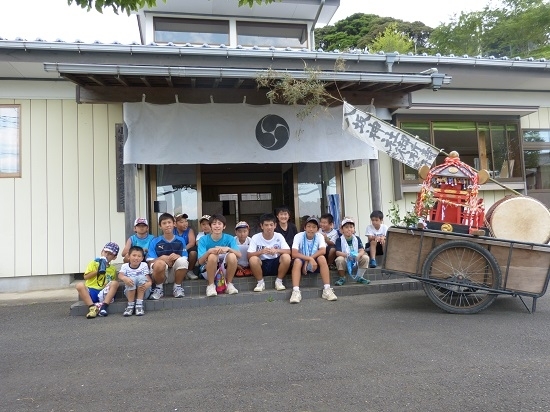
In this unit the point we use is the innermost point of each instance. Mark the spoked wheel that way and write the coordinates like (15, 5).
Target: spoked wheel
(458, 274)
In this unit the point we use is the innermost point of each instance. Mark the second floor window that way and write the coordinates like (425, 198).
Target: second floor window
(271, 34)
(192, 31)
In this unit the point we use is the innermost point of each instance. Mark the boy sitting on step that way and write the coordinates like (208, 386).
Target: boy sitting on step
(100, 285)
(349, 247)
(308, 251)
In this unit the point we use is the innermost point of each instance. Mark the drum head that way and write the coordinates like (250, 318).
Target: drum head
(521, 218)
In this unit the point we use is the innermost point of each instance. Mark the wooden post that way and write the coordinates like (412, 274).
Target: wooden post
(375, 189)
(481, 142)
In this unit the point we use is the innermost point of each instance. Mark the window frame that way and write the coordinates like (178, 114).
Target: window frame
(17, 107)
(259, 25)
(198, 22)
(480, 124)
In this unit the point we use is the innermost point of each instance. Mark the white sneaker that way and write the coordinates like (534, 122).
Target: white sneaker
(328, 294)
(279, 286)
(190, 275)
(296, 296)
(231, 290)
(211, 290)
(178, 292)
(260, 287)
(157, 294)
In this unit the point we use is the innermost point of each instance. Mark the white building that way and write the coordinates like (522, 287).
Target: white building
(65, 190)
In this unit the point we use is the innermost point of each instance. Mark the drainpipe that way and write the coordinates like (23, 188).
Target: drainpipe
(312, 35)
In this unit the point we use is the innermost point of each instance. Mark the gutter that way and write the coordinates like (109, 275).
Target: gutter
(312, 34)
(436, 80)
(271, 53)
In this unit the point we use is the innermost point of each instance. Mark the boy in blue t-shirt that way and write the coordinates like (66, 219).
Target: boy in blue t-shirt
(141, 238)
(215, 247)
(168, 259)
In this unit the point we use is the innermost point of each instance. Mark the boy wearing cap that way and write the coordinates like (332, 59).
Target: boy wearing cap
(183, 229)
(349, 247)
(243, 241)
(168, 259)
(141, 238)
(268, 254)
(308, 252)
(215, 247)
(204, 226)
(99, 287)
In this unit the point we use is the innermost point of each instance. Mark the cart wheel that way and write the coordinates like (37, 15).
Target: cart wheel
(462, 267)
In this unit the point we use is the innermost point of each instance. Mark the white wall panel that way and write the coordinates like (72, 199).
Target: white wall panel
(7, 221)
(54, 176)
(86, 195)
(71, 213)
(117, 227)
(39, 187)
(101, 179)
(22, 215)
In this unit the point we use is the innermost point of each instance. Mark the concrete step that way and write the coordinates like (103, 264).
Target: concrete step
(310, 286)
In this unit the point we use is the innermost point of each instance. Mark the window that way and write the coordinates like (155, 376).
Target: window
(316, 181)
(10, 141)
(536, 155)
(271, 34)
(492, 146)
(191, 31)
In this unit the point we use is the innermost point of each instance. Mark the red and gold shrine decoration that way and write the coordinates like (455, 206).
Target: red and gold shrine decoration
(450, 193)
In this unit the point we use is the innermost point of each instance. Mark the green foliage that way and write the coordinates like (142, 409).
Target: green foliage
(517, 28)
(128, 6)
(409, 220)
(360, 30)
(391, 40)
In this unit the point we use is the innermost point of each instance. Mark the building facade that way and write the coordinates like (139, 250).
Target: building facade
(70, 181)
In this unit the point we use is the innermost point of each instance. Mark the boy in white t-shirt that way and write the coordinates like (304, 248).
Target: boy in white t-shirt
(308, 251)
(268, 254)
(204, 227)
(243, 241)
(376, 236)
(137, 281)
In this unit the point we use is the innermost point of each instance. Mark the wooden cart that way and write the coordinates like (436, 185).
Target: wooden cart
(463, 273)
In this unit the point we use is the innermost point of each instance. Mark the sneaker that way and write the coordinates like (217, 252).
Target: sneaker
(190, 275)
(296, 296)
(129, 311)
(179, 292)
(231, 289)
(211, 290)
(139, 310)
(363, 281)
(279, 286)
(328, 294)
(93, 311)
(157, 294)
(372, 263)
(103, 311)
(340, 282)
(260, 287)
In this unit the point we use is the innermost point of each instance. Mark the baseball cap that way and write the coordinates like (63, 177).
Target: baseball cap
(181, 216)
(347, 220)
(141, 221)
(204, 217)
(241, 224)
(111, 247)
(312, 219)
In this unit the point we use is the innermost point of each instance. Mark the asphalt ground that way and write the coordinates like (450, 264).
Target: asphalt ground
(381, 352)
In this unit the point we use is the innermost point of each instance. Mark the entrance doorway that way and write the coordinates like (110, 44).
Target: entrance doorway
(244, 191)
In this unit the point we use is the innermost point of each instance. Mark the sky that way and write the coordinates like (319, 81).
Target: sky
(54, 19)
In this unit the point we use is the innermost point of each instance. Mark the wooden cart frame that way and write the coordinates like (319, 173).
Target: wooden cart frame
(462, 273)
